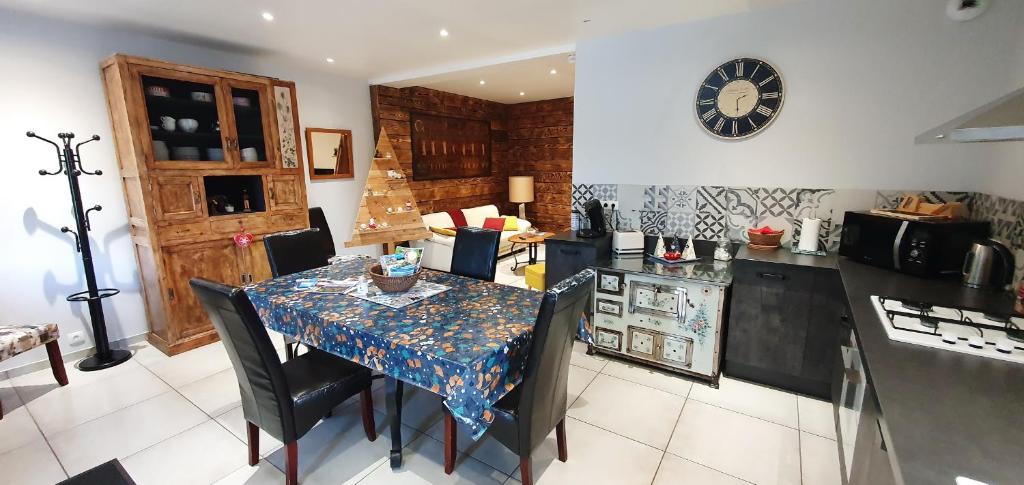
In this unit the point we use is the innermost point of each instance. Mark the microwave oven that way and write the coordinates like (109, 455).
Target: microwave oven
(922, 248)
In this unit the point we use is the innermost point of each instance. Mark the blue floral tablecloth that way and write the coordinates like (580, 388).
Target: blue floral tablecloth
(468, 344)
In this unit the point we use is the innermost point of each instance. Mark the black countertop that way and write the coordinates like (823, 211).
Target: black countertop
(947, 414)
(705, 270)
(785, 256)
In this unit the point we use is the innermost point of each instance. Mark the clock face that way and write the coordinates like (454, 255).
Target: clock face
(739, 98)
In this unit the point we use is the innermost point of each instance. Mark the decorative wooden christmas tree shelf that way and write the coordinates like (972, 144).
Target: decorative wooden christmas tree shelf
(387, 212)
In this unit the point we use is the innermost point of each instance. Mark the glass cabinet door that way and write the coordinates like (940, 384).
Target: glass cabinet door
(252, 139)
(184, 118)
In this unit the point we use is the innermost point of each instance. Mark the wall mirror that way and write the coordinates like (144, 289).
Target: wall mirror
(330, 153)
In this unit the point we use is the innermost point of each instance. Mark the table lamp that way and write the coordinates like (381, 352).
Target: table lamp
(520, 191)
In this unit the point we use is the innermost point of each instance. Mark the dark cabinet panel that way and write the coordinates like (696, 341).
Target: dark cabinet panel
(768, 305)
(783, 325)
(565, 255)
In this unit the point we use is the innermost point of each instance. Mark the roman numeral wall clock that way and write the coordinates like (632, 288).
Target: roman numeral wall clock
(739, 98)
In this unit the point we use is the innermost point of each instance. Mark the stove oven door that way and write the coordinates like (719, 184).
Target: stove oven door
(642, 342)
(657, 300)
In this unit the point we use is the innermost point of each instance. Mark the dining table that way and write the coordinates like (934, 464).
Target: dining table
(467, 344)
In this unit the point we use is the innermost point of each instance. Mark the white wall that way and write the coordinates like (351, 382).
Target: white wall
(1005, 175)
(51, 83)
(863, 78)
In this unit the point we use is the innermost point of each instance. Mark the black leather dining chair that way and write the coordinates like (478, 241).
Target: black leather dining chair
(475, 253)
(284, 399)
(525, 416)
(293, 251)
(318, 220)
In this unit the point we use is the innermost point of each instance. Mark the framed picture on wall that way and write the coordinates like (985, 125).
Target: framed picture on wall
(330, 153)
(447, 148)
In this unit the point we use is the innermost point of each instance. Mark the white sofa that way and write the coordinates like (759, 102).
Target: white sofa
(437, 251)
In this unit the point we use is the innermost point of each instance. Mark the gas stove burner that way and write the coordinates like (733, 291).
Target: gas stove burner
(1015, 334)
(927, 321)
(950, 328)
(997, 317)
(917, 306)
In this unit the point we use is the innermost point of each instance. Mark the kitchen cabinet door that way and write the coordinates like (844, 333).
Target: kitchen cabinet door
(178, 198)
(213, 260)
(184, 113)
(255, 262)
(251, 128)
(821, 342)
(768, 321)
(286, 192)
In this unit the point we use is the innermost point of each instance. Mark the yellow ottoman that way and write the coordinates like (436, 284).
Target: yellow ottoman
(535, 276)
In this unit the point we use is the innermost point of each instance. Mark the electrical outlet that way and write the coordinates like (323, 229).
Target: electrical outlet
(609, 205)
(77, 338)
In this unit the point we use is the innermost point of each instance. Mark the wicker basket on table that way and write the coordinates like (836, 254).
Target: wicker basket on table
(392, 284)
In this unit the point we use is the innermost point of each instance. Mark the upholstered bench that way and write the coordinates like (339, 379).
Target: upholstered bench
(16, 339)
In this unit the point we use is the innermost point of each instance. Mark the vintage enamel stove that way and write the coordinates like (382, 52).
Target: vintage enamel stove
(666, 316)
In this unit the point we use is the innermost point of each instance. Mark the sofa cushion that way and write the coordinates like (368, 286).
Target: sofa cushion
(444, 231)
(458, 217)
(438, 219)
(494, 223)
(475, 215)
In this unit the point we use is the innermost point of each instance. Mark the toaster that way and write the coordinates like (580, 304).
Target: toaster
(626, 243)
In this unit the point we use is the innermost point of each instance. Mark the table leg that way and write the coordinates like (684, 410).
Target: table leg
(533, 253)
(395, 397)
(515, 258)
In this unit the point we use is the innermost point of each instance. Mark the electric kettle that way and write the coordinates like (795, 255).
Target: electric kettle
(989, 264)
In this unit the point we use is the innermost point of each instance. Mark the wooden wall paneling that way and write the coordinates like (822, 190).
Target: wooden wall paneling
(540, 144)
(392, 109)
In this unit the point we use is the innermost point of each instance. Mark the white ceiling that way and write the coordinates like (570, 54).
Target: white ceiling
(392, 40)
(505, 81)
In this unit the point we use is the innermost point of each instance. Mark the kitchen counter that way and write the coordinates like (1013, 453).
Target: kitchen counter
(947, 414)
(785, 256)
(706, 270)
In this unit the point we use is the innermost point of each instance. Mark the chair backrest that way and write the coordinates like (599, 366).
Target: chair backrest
(318, 220)
(294, 251)
(266, 401)
(475, 253)
(543, 400)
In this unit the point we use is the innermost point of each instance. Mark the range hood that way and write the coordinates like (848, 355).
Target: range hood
(1000, 120)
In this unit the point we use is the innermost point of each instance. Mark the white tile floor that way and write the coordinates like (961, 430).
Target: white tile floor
(178, 420)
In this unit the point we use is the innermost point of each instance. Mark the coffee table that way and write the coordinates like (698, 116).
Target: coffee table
(531, 241)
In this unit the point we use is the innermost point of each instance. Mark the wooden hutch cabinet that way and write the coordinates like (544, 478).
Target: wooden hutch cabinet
(202, 158)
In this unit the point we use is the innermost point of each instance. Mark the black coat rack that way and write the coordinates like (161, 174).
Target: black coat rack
(70, 163)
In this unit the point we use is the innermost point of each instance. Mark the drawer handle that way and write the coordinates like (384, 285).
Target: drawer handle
(772, 276)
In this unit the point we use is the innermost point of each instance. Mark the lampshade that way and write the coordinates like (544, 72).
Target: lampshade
(520, 189)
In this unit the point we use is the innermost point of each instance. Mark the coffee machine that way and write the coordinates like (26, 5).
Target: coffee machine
(593, 213)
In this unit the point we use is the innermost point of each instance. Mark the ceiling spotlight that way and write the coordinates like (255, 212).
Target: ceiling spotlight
(268, 16)
(444, 32)
(522, 93)
(330, 60)
(554, 71)
(482, 82)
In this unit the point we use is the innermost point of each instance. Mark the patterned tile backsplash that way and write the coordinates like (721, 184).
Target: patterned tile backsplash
(711, 212)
